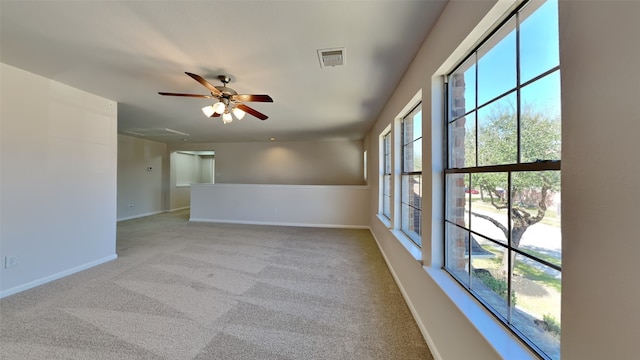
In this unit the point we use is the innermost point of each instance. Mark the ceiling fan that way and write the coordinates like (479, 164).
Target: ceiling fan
(229, 101)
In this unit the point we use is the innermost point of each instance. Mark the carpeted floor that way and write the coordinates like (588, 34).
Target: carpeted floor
(183, 290)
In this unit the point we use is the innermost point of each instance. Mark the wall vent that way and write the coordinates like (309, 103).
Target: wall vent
(331, 57)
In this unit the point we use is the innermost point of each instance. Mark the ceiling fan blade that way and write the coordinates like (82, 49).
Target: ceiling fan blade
(250, 98)
(205, 83)
(251, 111)
(187, 95)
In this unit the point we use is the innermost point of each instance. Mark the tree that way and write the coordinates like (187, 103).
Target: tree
(530, 192)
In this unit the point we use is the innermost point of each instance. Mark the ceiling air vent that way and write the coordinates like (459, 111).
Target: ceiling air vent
(331, 57)
(154, 132)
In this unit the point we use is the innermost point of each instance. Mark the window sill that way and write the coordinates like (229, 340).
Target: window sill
(500, 339)
(411, 247)
(385, 220)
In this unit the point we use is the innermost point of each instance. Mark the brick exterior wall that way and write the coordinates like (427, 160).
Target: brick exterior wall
(455, 183)
(413, 187)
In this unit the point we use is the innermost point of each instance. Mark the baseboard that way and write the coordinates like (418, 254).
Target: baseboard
(407, 299)
(142, 215)
(275, 223)
(56, 276)
(178, 209)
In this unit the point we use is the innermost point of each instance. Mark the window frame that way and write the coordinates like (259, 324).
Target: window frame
(415, 237)
(386, 165)
(509, 169)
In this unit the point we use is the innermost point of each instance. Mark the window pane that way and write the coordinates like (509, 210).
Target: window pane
(411, 223)
(412, 126)
(535, 218)
(413, 156)
(417, 155)
(412, 141)
(456, 260)
(489, 211)
(462, 88)
(536, 289)
(407, 161)
(488, 278)
(457, 205)
(387, 153)
(386, 196)
(462, 142)
(416, 190)
(540, 119)
(539, 49)
(411, 205)
(417, 122)
(411, 190)
(497, 132)
(497, 64)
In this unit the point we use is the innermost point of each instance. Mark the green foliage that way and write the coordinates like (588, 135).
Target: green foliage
(494, 140)
(540, 135)
(497, 143)
(498, 286)
(537, 275)
(552, 324)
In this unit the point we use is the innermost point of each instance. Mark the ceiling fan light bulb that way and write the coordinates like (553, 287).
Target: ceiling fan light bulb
(226, 117)
(239, 113)
(208, 110)
(219, 107)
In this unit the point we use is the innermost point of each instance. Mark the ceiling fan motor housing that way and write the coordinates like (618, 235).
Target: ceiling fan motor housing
(226, 91)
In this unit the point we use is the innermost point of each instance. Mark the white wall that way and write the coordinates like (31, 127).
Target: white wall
(297, 205)
(58, 179)
(187, 168)
(336, 162)
(191, 167)
(179, 195)
(208, 165)
(600, 175)
(600, 53)
(137, 186)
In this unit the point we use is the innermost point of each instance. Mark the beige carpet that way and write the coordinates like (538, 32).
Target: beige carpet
(183, 290)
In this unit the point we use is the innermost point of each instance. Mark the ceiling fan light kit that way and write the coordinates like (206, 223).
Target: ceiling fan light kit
(226, 117)
(238, 113)
(229, 101)
(208, 110)
(218, 107)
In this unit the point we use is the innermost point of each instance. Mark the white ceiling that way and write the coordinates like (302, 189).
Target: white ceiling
(127, 51)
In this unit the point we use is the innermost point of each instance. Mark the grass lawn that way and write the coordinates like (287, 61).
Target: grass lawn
(537, 292)
(550, 217)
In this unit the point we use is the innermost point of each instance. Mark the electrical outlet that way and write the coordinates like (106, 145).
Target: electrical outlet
(10, 261)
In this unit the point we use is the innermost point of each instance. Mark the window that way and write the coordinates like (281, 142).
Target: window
(386, 174)
(411, 175)
(502, 179)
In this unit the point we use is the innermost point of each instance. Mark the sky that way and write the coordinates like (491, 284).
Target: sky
(539, 52)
